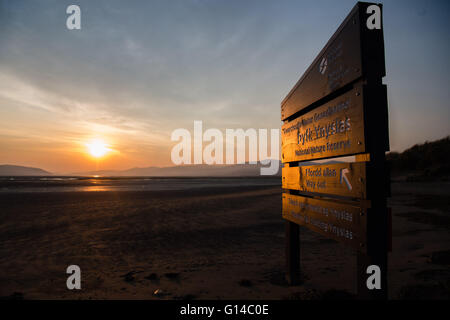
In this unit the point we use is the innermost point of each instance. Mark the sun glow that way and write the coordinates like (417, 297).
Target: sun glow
(97, 148)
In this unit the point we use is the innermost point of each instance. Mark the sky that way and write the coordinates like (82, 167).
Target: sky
(137, 70)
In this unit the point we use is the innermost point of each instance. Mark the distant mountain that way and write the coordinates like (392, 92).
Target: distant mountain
(200, 170)
(11, 170)
(196, 170)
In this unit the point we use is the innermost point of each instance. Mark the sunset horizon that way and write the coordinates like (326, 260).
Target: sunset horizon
(76, 87)
(97, 163)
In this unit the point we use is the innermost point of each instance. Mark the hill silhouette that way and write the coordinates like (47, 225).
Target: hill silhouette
(427, 161)
(11, 170)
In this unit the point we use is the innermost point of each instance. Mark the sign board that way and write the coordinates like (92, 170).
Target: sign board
(333, 129)
(340, 179)
(339, 108)
(342, 222)
(351, 53)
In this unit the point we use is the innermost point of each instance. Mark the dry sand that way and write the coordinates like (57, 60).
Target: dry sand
(216, 243)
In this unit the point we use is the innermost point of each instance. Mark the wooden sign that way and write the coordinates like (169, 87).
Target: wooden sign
(351, 53)
(333, 129)
(339, 221)
(339, 108)
(340, 179)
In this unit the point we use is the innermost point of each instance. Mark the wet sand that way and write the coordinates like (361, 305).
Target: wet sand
(207, 243)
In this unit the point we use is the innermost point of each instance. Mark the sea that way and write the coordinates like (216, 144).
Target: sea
(18, 184)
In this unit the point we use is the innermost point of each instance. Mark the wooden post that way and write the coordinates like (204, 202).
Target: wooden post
(377, 230)
(363, 261)
(292, 253)
(377, 254)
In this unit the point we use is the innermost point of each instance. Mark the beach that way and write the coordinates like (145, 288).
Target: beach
(220, 242)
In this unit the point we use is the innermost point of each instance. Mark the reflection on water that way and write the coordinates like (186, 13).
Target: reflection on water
(95, 188)
(96, 184)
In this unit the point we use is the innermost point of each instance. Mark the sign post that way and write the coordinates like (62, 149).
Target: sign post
(339, 108)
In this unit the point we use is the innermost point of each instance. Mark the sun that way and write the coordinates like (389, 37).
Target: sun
(97, 148)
